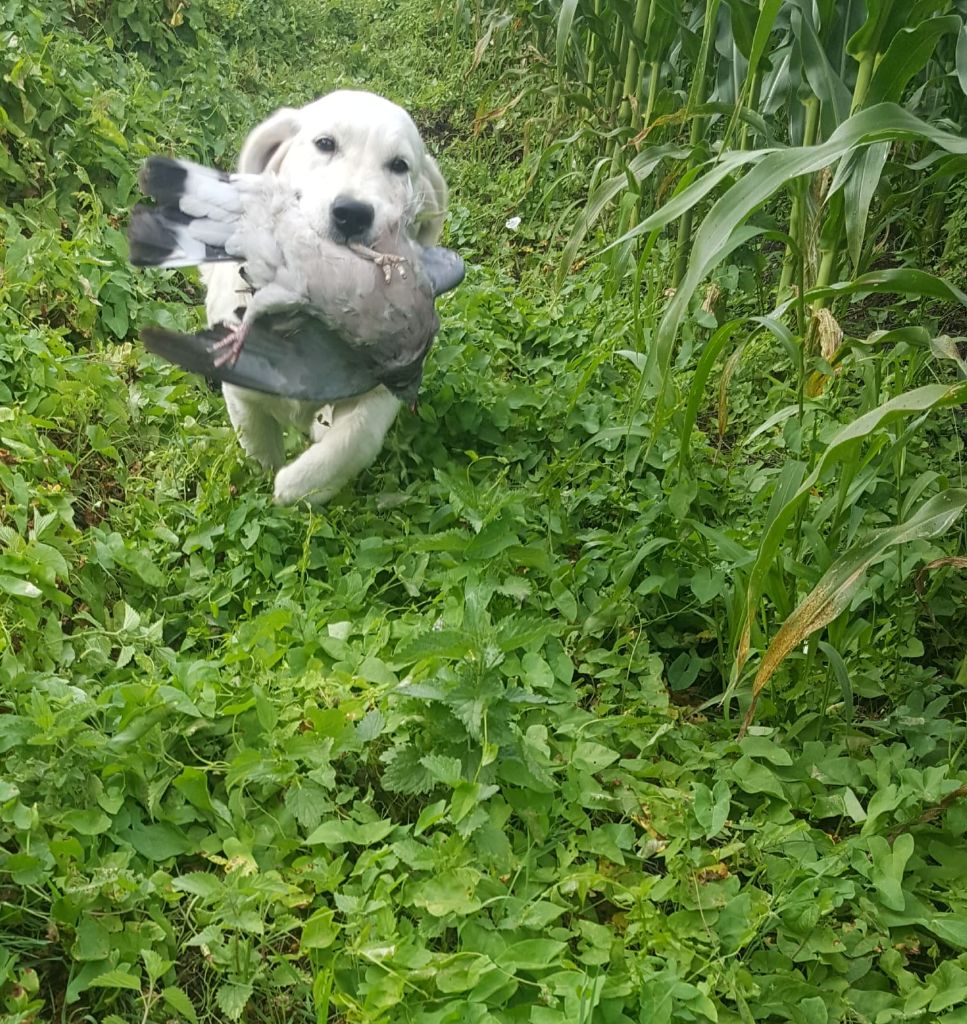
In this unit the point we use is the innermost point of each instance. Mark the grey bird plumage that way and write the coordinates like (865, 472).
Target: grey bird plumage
(324, 322)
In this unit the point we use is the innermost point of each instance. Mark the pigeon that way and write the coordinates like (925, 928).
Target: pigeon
(326, 320)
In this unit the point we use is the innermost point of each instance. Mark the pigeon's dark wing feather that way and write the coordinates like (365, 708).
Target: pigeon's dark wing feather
(292, 354)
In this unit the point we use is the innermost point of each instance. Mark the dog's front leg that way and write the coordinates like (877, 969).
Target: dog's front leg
(346, 448)
(258, 431)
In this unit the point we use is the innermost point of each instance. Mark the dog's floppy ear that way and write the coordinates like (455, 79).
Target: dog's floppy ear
(266, 144)
(434, 194)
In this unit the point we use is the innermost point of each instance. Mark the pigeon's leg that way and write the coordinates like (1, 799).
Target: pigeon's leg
(271, 296)
(227, 351)
(386, 261)
(230, 347)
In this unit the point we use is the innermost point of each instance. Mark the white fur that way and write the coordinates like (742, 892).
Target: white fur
(370, 133)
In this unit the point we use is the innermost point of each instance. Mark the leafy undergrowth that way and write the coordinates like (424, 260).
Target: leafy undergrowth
(448, 750)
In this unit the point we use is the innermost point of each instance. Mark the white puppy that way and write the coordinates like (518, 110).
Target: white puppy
(360, 163)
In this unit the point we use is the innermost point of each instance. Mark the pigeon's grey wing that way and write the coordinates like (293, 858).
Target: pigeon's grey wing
(291, 354)
(444, 268)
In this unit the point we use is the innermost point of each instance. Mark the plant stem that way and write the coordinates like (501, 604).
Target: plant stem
(695, 99)
(592, 51)
(628, 113)
(797, 216)
(863, 77)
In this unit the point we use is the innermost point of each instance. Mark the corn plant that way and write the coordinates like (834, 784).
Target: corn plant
(791, 122)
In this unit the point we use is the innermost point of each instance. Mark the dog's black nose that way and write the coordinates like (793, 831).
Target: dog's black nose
(350, 217)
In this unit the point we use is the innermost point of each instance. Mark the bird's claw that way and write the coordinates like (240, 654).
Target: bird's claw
(228, 348)
(386, 261)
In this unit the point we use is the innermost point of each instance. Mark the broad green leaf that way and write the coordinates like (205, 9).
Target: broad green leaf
(461, 972)
(158, 841)
(592, 757)
(531, 955)
(430, 815)
(232, 998)
(117, 978)
(442, 643)
(320, 930)
(178, 1000)
(155, 964)
(739, 920)
(331, 833)
(93, 941)
(889, 863)
(447, 770)
(18, 587)
(199, 883)
(950, 981)
(711, 806)
(752, 777)
(87, 823)
(449, 892)
(766, 750)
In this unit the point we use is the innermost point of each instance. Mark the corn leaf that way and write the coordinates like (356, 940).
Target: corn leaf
(833, 593)
(710, 354)
(565, 21)
(962, 59)
(840, 447)
(713, 241)
(643, 164)
(860, 187)
(901, 280)
(825, 83)
(909, 53)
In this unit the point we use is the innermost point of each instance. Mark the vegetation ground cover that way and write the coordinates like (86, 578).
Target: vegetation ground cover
(455, 747)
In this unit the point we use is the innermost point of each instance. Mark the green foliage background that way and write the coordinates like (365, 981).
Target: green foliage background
(452, 749)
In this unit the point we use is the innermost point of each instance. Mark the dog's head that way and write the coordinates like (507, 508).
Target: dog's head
(359, 163)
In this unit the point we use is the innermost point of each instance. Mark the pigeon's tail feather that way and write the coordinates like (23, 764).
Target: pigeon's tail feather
(163, 236)
(198, 211)
(185, 185)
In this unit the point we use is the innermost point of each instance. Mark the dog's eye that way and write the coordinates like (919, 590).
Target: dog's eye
(398, 165)
(326, 144)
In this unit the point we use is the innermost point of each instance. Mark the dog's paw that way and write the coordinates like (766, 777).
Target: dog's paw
(290, 488)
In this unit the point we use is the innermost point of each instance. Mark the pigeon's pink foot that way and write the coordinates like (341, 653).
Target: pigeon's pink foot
(230, 347)
(386, 261)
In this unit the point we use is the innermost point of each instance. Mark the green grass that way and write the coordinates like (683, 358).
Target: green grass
(452, 748)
